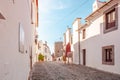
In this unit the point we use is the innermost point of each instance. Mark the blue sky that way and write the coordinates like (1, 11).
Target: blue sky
(56, 15)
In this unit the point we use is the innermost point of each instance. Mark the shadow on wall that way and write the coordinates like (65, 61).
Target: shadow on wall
(77, 47)
(76, 53)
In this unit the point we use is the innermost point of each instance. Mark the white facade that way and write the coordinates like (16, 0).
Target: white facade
(68, 35)
(68, 40)
(15, 65)
(45, 51)
(34, 22)
(96, 39)
(76, 53)
(35, 47)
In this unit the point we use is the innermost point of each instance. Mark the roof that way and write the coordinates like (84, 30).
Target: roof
(76, 20)
(92, 14)
(82, 27)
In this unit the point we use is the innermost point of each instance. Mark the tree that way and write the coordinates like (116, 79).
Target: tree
(40, 57)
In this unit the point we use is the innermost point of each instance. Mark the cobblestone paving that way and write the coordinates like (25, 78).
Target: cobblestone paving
(60, 71)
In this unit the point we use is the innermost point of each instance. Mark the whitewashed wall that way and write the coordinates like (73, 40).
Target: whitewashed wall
(13, 64)
(68, 34)
(94, 42)
(75, 41)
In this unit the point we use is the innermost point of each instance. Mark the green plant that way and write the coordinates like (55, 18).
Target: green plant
(40, 57)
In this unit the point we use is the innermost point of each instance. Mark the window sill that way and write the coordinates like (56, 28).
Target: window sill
(108, 63)
(110, 30)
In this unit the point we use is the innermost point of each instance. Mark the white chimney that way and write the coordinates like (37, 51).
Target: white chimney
(97, 4)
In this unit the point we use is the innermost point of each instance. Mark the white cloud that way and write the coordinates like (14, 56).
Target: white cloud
(60, 5)
(46, 6)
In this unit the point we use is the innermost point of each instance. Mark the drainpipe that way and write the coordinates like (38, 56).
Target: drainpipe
(79, 24)
(79, 45)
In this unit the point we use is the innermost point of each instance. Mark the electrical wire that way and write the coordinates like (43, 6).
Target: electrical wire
(73, 11)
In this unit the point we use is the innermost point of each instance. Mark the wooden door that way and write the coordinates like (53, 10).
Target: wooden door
(84, 56)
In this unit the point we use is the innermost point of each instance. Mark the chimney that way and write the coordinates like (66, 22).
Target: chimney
(97, 4)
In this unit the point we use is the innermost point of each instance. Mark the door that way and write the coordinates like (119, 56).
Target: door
(84, 56)
(30, 57)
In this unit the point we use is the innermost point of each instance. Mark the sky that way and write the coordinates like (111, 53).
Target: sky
(56, 15)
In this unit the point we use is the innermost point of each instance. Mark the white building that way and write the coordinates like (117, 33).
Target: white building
(68, 40)
(34, 22)
(45, 51)
(99, 38)
(76, 41)
(16, 38)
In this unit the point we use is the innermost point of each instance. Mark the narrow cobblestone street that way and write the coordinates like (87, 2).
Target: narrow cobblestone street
(60, 71)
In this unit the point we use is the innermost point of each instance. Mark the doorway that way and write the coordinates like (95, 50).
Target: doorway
(84, 56)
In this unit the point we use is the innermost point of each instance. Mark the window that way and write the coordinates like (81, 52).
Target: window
(111, 19)
(1, 16)
(84, 33)
(108, 55)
